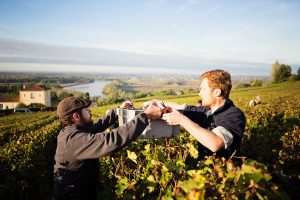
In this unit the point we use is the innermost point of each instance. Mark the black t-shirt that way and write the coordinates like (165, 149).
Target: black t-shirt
(228, 116)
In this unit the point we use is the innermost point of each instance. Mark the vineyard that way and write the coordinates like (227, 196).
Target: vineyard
(168, 168)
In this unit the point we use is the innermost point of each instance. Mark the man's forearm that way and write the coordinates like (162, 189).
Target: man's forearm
(105, 122)
(202, 135)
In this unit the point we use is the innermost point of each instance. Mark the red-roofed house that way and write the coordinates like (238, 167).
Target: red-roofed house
(28, 95)
(35, 94)
(8, 102)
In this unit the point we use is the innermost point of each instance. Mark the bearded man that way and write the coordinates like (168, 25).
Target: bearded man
(81, 143)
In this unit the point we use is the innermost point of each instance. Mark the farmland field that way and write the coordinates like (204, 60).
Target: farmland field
(168, 168)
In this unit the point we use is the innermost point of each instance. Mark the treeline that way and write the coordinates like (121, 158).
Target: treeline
(282, 72)
(118, 91)
(279, 73)
(165, 92)
(12, 83)
(40, 78)
(11, 89)
(251, 83)
(56, 97)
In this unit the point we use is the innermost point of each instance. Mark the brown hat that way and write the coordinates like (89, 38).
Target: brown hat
(71, 104)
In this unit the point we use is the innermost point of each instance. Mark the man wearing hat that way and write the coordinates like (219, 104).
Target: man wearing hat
(81, 143)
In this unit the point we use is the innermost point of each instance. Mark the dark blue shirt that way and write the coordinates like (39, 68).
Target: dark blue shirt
(228, 116)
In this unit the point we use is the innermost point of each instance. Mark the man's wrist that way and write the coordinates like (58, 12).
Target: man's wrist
(183, 120)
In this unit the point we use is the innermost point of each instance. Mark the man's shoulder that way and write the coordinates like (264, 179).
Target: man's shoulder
(69, 132)
(236, 110)
(232, 111)
(232, 119)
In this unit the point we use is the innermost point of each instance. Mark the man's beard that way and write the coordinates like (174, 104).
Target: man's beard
(86, 123)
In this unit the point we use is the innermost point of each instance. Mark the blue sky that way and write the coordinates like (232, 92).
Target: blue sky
(150, 36)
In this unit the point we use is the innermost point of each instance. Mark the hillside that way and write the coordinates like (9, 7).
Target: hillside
(167, 168)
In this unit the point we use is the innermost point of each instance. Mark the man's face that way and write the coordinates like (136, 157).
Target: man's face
(206, 94)
(86, 117)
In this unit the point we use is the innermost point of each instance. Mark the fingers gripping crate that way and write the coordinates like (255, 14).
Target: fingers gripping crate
(156, 128)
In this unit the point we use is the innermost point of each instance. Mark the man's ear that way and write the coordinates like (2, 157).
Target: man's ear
(217, 92)
(75, 117)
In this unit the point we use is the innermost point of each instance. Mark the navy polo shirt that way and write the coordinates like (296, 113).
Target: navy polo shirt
(227, 116)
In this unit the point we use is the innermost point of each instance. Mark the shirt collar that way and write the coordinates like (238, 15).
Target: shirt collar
(227, 103)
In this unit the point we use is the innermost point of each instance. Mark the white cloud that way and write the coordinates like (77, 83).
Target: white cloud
(189, 4)
(135, 58)
(181, 9)
(214, 8)
(46, 67)
(193, 2)
(155, 4)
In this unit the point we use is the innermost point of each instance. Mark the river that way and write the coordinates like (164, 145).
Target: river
(94, 89)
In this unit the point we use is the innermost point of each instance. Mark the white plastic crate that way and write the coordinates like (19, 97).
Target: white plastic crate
(156, 128)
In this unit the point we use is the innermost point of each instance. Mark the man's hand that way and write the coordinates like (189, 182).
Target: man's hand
(153, 111)
(173, 118)
(127, 104)
(154, 101)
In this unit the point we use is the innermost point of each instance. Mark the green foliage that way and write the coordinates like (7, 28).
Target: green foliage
(12, 89)
(284, 72)
(85, 95)
(289, 155)
(22, 124)
(167, 168)
(141, 94)
(115, 92)
(54, 98)
(251, 83)
(293, 77)
(36, 105)
(275, 68)
(163, 92)
(266, 127)
(63, 95)
(21, 105)
(280, 72)
(27, 159)
(37, 78)
(118, 91)
(242, 85)
(256, 83)
(189, 90)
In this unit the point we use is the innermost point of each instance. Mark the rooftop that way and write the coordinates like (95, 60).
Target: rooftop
(34, 88)
(9, 99)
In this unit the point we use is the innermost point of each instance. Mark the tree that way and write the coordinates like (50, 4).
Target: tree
(21, 105)
(293, 78)
(242, 85)
(256, 83)
(298, 73)
(284, 72)
(64, 94)
(280, 72)
(86, 95)
(275, 68)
